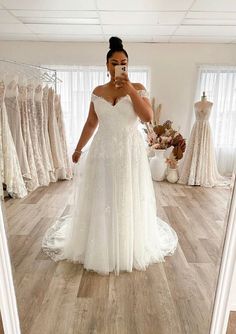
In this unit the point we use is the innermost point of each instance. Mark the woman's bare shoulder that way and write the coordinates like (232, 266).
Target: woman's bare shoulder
(98, 90)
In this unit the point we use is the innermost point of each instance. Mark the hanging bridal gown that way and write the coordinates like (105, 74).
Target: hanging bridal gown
(14, 120)
(46, 134)
(55, 140)
(10, 167)
(22, 101)
(43, 177)
(61, 127)
(38, 95)
(113, 226)
(199, 166)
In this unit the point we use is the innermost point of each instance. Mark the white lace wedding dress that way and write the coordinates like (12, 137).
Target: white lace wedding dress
(113, 226)
(200, 166)
(9, 164)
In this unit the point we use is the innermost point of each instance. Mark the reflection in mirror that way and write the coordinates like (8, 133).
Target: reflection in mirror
(41, 192)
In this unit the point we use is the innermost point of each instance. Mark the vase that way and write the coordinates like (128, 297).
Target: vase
(172, 175)
(150, 152)
(158, 165)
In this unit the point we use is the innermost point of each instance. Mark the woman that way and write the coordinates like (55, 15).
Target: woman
(113, 226)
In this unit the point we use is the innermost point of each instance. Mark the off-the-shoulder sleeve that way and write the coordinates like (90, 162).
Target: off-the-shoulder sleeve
(93, 97)
(143, 93)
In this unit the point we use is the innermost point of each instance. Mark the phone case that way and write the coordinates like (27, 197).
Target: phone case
(119, 69)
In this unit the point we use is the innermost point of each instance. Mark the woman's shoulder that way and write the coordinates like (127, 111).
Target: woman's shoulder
(98, 90)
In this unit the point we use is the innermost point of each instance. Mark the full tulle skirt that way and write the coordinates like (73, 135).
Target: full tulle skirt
(199, 166)
(113, 225)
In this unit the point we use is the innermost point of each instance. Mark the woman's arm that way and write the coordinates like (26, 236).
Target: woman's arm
(87, 132)
(142, 105)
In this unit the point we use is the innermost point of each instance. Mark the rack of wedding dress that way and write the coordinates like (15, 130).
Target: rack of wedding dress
(33, 148)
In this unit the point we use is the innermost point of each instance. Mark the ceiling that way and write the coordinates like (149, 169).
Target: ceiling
(163, 21)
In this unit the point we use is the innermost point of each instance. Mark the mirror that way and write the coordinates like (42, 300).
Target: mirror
(175, 295)
(223, 304)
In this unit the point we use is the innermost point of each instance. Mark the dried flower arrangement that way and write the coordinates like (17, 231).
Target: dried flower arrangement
(164, 136)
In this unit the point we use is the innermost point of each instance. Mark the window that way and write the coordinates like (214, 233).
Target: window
(219, 83)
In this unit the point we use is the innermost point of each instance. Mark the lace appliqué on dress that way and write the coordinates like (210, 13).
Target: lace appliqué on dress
(141, 92)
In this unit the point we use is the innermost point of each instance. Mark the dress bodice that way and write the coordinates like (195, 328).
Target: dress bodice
(51, 95)
(30, 91)
(45, 93)
(57, 105)
(11, 89)
(22, 90)
(2, 92)
(203, 114)
(118, 118)
(38, 94)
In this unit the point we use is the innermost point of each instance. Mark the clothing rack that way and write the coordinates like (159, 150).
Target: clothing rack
(45, 76)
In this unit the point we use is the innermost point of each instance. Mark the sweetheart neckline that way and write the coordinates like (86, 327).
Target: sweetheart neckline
(109, 102)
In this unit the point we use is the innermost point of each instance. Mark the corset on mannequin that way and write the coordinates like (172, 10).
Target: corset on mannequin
(203, 106)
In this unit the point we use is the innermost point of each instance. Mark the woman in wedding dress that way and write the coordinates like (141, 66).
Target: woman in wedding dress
(113, 226)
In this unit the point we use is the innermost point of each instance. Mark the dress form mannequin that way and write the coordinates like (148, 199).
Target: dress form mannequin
(203, 104)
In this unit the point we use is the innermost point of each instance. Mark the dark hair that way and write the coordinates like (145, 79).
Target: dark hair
(115, 44)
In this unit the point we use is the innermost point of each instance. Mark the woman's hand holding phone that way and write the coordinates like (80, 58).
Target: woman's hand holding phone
(119, 70)
(122, 80)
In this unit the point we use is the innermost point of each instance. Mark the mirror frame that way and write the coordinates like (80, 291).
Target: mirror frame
(220, 314)
(8, 304)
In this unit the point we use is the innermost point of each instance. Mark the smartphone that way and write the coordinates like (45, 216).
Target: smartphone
(119, 69)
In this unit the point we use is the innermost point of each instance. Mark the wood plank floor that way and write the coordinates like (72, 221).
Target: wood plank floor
(1, 325)
(171, 297)
(232, 323)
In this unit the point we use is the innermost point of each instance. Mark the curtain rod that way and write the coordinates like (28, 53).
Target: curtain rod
(55, 78)
(25, 64)
(216, 65)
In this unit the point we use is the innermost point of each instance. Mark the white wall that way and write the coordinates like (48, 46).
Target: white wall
(173, 66)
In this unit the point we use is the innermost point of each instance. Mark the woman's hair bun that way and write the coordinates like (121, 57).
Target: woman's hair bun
(115, 43)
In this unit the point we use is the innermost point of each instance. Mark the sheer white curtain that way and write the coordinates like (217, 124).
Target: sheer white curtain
(219, 83)
(78, 84)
